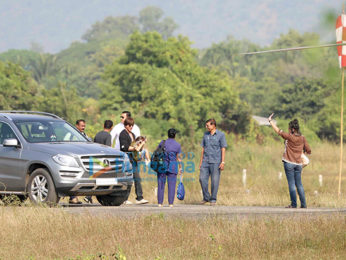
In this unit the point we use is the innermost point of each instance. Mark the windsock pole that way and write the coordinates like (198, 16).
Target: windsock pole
(341, 129)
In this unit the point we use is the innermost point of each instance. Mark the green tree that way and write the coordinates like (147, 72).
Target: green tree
(17, 88)
(303, 99)
(20, 57)
(150, 19)
(111, 28)
(160, 79)
(62, 101)
(226, 56)
(44, 66)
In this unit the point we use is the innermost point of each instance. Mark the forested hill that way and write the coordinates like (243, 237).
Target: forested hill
(136, 63)
(55, 24)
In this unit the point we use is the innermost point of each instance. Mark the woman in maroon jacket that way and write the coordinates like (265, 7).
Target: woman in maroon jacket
(295, 145)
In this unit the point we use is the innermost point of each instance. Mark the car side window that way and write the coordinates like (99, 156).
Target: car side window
(6, 132)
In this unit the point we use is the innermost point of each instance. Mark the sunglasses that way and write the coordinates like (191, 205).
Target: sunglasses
(122, 117)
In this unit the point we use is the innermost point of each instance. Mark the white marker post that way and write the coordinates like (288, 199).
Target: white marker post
(244, 178)
(280, 176)
(320, 180)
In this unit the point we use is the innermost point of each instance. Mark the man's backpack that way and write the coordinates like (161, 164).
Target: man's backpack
(158, 159)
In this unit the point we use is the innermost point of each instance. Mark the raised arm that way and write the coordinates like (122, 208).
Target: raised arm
(276, 129)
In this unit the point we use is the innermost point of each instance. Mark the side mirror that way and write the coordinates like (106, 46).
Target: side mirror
(11, 143)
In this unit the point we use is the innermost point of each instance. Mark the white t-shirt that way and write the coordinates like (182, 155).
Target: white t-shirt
(116, 132)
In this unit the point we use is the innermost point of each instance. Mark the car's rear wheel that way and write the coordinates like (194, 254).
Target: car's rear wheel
(41, 187)
(114, 199)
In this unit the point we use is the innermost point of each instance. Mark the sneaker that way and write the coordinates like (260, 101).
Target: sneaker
(171, 205)
(203, 202)
(290, 207)
(160, 205)
(127, 202)
(142, 201)
(212, 203)
(88, 199)
(74, 201)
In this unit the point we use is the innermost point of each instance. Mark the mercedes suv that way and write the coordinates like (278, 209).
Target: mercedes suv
(43, 157)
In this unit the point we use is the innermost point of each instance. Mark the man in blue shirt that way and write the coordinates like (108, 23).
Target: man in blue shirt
(212, 161)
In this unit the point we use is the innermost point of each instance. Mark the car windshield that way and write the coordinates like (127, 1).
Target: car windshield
(46, 131)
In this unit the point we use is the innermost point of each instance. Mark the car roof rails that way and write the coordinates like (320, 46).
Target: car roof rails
(29, 112)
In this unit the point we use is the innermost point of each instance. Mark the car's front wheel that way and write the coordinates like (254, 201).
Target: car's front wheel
(41, 187)
(114, 199)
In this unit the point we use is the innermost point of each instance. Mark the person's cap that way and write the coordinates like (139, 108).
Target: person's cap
(172, 131)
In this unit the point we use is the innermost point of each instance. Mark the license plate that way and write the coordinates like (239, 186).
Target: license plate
(106, 181)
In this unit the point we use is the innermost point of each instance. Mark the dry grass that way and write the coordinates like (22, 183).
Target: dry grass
(43, 233)
(263, 188)
(50, 233)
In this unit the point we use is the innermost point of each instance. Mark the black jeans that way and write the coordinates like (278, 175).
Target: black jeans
(137, 180)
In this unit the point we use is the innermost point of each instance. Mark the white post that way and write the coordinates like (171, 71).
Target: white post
(280, 176)
(244, 178)
(155, 191)
(320, 179)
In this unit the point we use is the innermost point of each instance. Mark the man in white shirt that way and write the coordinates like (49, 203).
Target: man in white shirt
(120, 127)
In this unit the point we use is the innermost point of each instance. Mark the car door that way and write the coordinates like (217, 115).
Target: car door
(12, 167)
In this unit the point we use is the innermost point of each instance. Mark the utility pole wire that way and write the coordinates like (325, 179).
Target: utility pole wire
(293, 49)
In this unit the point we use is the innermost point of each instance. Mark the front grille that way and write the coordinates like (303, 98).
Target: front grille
(103, 166)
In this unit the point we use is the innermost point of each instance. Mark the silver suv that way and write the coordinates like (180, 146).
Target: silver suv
(44, 157)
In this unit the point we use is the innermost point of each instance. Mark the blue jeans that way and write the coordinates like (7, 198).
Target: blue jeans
(293, 175)
(210, 170)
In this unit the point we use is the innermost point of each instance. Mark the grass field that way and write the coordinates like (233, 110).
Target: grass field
(42, 233)
(263, 186)
(30, 232)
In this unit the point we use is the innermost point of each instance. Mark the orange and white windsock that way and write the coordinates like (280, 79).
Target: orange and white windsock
(341, 38)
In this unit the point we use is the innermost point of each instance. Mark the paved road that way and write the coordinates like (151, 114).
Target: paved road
(199, 211)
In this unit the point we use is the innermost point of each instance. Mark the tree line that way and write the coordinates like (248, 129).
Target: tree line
(135, 63)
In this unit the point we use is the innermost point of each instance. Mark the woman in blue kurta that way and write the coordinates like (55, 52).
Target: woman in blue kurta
(172, 167)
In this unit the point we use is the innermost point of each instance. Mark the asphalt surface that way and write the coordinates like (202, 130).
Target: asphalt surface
(198, 211)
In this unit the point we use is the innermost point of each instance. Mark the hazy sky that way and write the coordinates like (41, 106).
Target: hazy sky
(54, 24)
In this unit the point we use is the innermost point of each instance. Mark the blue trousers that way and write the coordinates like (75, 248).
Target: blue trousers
(161, 182)
(210, 170)
(293, 175)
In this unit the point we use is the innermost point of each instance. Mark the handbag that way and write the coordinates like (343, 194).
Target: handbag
(181, 189)
(305, 160)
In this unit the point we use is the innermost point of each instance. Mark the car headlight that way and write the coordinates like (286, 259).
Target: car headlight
(65, 160)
